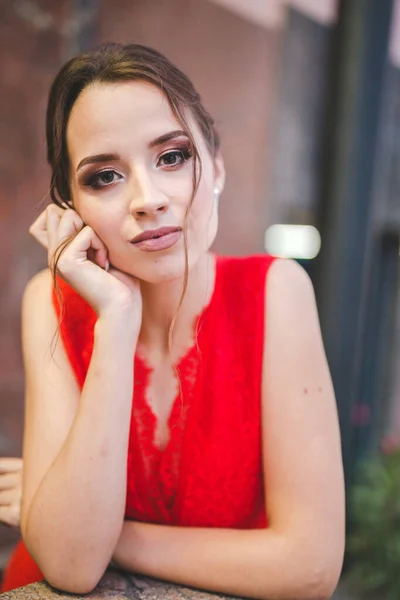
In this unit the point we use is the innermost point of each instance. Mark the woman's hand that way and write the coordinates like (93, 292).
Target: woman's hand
(84, 263)
(10, 491)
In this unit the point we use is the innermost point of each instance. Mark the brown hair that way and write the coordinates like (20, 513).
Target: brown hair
(113, 63)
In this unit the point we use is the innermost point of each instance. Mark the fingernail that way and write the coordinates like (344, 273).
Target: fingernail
(107, 264)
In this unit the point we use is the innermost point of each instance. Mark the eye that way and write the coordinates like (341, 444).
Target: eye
(103, 179)
(174, 158)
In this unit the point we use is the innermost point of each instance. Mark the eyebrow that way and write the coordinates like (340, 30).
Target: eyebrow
(162, 139)
(167, 137)
(97, 158)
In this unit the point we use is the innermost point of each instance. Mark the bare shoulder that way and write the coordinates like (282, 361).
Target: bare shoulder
(291, 308)
(38, 318)
(37, 307)
(38, 287)
(288, 276)
(290, 295)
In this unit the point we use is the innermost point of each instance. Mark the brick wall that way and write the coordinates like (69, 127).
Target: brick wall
(30, 53)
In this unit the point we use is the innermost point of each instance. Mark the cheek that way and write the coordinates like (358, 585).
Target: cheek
(105, 223)
(202, 206)
(202, 215)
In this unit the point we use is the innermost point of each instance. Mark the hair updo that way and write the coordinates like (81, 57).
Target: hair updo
(113, 63)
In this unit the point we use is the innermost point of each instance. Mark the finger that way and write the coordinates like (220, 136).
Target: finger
(10, 464)
(38, 230)
(70, 224)
(86, 242)
(9, 497)
(10, 481)
(100, 257)
(53, 218)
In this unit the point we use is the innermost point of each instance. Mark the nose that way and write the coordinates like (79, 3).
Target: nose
(146, 199)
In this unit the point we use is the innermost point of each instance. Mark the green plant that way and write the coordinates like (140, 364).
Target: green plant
(373, 544)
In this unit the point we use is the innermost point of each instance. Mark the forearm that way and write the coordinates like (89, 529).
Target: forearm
(76, 514)
(254, 563)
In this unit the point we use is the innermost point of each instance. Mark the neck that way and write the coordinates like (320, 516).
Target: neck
(160, 309)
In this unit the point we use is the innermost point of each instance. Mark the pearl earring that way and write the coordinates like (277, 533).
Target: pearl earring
(216, 197)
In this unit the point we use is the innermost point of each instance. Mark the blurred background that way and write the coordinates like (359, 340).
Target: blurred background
(306, 96)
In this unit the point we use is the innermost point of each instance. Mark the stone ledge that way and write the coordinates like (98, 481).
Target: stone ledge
(115, 585)
(120, 585)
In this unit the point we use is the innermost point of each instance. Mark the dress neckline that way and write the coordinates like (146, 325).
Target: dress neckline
(196, 322)
(143, 371)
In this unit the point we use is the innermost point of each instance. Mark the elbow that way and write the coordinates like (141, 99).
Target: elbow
(76, 576)
(70, 582)
(64, 577)
(309, 586)
(311, 572)
(72, 572)
(79, 588)
(320, 585)
(319, 578)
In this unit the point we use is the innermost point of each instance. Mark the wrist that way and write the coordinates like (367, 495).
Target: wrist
(120, 321)
(132, 550)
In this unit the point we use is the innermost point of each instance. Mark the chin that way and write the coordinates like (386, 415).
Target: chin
(156, 267)
(163, 266)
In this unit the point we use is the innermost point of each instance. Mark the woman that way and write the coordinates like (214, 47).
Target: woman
(186, 426)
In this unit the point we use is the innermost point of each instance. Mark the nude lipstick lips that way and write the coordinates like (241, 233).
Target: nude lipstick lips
(157, 239)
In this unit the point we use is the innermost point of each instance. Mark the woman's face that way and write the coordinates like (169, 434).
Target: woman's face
(131, 172)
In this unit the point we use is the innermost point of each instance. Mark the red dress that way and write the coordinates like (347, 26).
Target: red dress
(210, 472)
